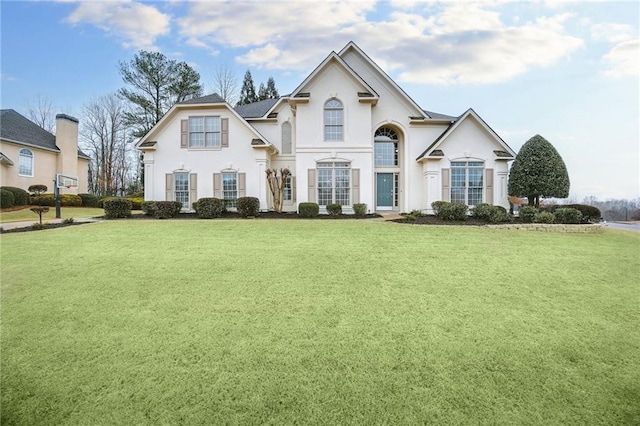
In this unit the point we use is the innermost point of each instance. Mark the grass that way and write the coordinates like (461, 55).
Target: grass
(318, 322)
(65, 212)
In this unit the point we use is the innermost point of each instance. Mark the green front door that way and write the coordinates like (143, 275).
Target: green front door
(384, 191)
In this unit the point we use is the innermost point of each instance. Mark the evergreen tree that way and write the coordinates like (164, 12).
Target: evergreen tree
(262, 92)
(272, 92)
(538, 171)
(248, 90)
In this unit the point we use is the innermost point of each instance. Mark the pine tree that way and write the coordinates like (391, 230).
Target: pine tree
(262, 92)
(538, 171)
(248, 90)
(272, 92)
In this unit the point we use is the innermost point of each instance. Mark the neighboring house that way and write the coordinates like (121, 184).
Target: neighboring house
(30, 155)
(348, 133)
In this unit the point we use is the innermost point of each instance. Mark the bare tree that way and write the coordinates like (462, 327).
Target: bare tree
(276, 185)
(41, 111)
(104, 135)
(225, 83)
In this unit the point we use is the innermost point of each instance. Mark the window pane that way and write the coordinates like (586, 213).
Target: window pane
(213, 139)
(457, 178)
(467, 182)
(334, 180)
(386, 154)
(230, 188)
(212, 124)
(287, 189)
(196, 124)
(181, 188)
(25, 162)
(475, 178)
(196, 140)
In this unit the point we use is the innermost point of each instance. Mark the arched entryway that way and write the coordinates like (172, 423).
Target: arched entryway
(388, 165)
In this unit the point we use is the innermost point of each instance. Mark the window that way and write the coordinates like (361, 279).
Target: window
(230, 188)
(334, 180)
(467, 182)
(333, 120)
(286, 138)
(25, 162)
(204, 132)
(386, 147)
(181, 188)
(287, 193)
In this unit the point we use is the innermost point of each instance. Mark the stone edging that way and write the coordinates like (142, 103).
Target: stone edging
(590, 228)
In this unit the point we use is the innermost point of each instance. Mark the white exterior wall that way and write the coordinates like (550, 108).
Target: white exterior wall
(240, 157)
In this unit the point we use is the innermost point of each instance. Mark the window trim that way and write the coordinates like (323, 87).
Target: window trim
(27, 154)
(327, 108)
(230, 202)
(204, 132)
(477, 165)
(187, 191)
(333, 166)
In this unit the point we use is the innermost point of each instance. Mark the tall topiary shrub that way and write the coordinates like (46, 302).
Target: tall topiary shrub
(37, 189)
(538, 171)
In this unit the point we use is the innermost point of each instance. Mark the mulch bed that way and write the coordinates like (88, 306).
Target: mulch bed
(432, 220)
(44, 226)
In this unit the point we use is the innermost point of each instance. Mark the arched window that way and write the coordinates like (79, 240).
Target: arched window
(386, 147)
(333, 120)
(286, 138)
(25, 162)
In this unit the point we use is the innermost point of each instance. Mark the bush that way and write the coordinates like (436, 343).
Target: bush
(43, 200)
(248, 206)
(148, 208)
(437, 205)
(166, 209)
(567, 215)
(528, 214)
(70, 200)
(7, 199)
(489, 213)
(308, 209)
(210, 208)
(117, 207)
(334, 210)
(452, 211)
(360, 209)
(544, 217)
(88, 200)
(38, 189)
(20, 196)
(138, 194)
(589, 213)
(136, 202)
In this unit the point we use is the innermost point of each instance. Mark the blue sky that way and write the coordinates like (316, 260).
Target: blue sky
(566, 70)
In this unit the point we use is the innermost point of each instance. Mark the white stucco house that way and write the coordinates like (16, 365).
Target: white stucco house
(348, 134)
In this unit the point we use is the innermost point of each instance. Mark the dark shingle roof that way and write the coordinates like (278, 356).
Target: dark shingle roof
(18, 128)
(439, 116)
(255, 109)
(213, 98)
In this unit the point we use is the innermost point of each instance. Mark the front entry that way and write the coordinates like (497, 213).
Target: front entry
(384, 191)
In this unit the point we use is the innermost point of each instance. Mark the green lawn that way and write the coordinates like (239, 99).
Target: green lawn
(65, 212)
(318, 322)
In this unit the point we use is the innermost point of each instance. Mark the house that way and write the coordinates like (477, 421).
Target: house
(348, 134)
(30, 155)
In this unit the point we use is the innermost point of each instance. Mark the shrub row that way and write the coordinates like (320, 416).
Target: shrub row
(589, 213)
(20, 196)
(450, 211)
(490, 213)
(66, 200)
(561, 214)
(117, 207)
(7, 199)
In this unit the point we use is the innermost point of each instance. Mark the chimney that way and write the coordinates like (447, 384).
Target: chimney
(67, 142)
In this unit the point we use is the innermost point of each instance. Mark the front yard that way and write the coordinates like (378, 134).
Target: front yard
(318, 322)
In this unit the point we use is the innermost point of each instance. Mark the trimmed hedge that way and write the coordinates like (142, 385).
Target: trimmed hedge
(20, 196)
(544, 217)
(149, 208)
(117, 207)
(308, 209)
(334, 210)
(248, 206)
(450, 211)
(38, 189)
(210, 208)
(360, 209)
(43, 200)
(489, 213)
(166, 209)
(66, 200)
(528, 214)
(88, 200)
(7, 199)
(568, 216)
(589, 213)
(136, 202)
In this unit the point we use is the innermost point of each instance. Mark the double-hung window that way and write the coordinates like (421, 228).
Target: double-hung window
(205, 132)
(287, 193)
(25, 162)
(181, 188)
(333, 120)
(230, 188)
(467, 182)
(334, 183)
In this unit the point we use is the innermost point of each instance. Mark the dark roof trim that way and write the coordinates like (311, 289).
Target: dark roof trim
(257, 142)
(436, 153)
(502, 154)
(302, 95)
(365, 95)
(67, 117)
(148, 144)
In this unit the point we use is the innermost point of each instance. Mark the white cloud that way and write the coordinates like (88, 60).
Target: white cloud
(612, 32)
(445, 43)
(137, 24)
(624, 59)
(5, 77)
